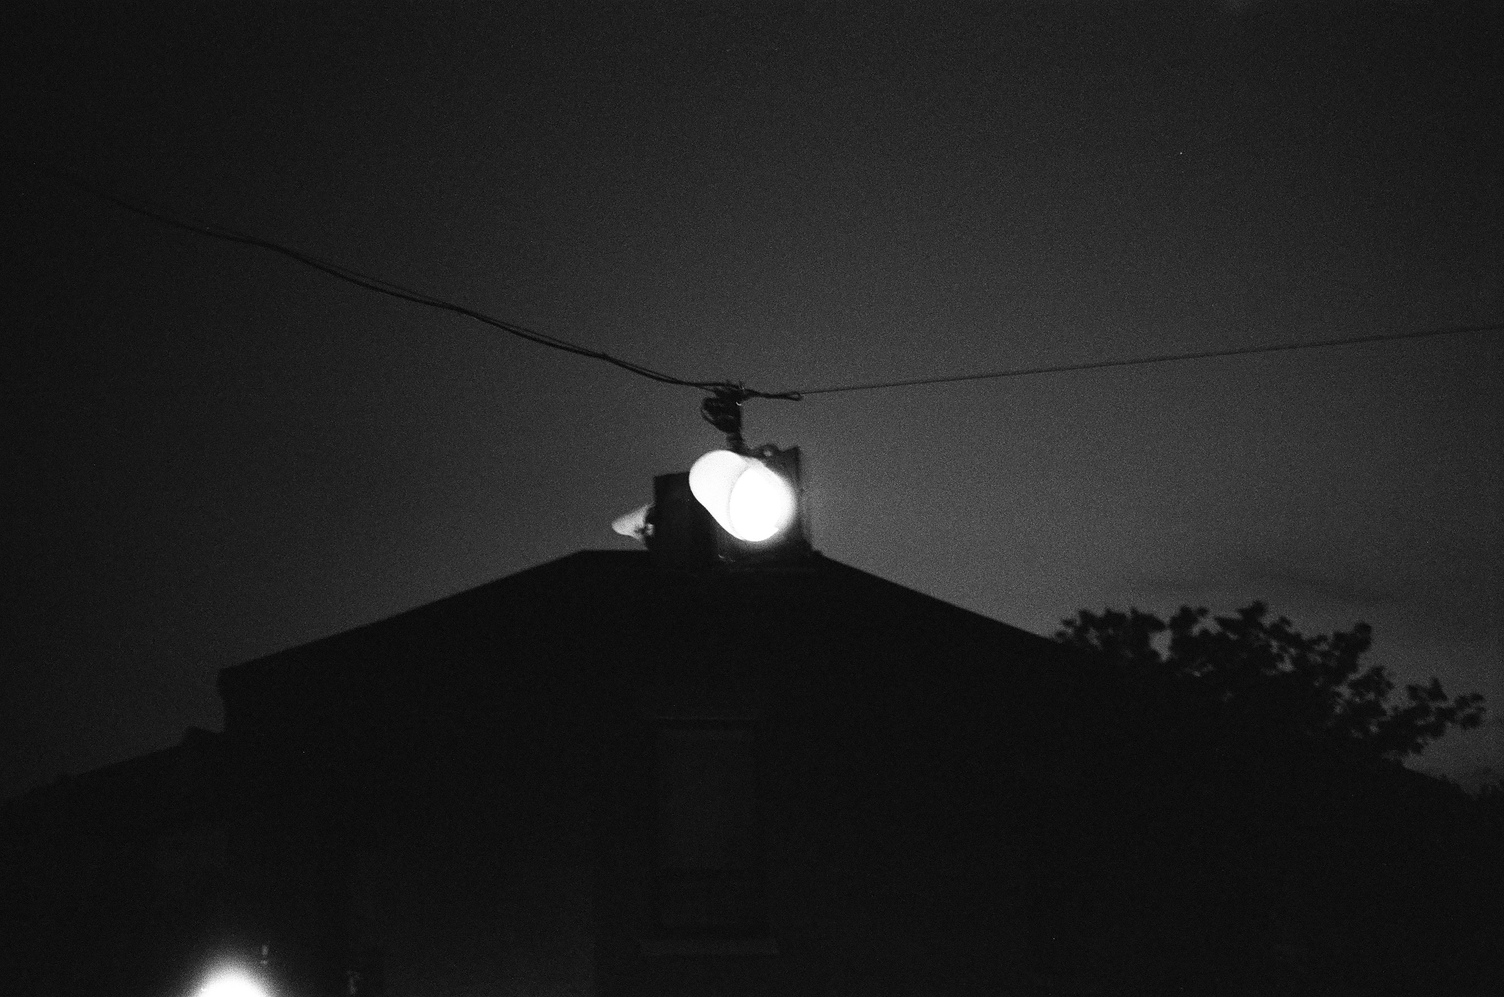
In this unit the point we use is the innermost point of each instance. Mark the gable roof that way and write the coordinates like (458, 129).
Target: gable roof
(578, 627)
(593, 583)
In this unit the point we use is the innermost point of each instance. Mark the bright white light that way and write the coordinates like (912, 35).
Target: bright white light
(749, 501)
(232, 983)
(761, 504)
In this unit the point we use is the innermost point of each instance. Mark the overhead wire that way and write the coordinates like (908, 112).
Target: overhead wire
(1233, 351)
(389, 288)
(735, 390)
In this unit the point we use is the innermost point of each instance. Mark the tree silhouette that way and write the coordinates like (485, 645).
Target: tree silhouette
(1245, 799)
(1254, 671)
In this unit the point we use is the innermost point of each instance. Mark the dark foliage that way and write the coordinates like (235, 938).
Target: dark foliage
(1253, 670)
(1245, 824)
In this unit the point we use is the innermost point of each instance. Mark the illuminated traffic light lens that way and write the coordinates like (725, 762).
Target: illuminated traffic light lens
(751, 502)
(761, 504)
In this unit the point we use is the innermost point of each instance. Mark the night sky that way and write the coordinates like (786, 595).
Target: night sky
(212, 452)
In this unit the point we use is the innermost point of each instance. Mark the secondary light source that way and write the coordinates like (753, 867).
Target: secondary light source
(232, 983)
(748, 500)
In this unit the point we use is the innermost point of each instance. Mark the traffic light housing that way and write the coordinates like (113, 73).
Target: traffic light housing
(727, 511)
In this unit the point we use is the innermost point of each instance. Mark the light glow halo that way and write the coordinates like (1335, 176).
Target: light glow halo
(748, 500)
(232, 983)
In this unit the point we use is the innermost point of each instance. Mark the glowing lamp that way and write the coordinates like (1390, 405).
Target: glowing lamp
(232, 983)
(751, 502)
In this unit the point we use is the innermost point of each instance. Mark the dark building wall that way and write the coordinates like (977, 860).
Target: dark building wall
(885, 723)
(496, 794)
(426, 772)
(115, 881)
(498, 751)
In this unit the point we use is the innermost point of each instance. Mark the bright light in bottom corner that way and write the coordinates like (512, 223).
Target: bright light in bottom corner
(232, 983)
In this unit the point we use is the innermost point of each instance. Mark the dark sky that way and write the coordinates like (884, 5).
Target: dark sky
(212, 453)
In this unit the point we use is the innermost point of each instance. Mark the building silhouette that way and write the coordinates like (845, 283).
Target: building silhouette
(620, 774)
(606, 775)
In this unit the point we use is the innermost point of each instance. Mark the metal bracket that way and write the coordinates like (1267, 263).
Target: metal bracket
(723, 410)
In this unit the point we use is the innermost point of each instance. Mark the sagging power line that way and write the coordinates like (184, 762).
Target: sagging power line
(383, 286)
(1234, 351)
(725, 391)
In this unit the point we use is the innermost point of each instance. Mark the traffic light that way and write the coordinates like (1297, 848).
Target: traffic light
(734, 506)
(728, 509)
(746, 497)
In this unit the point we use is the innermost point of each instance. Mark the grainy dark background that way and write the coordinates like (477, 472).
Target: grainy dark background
(212, 453)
